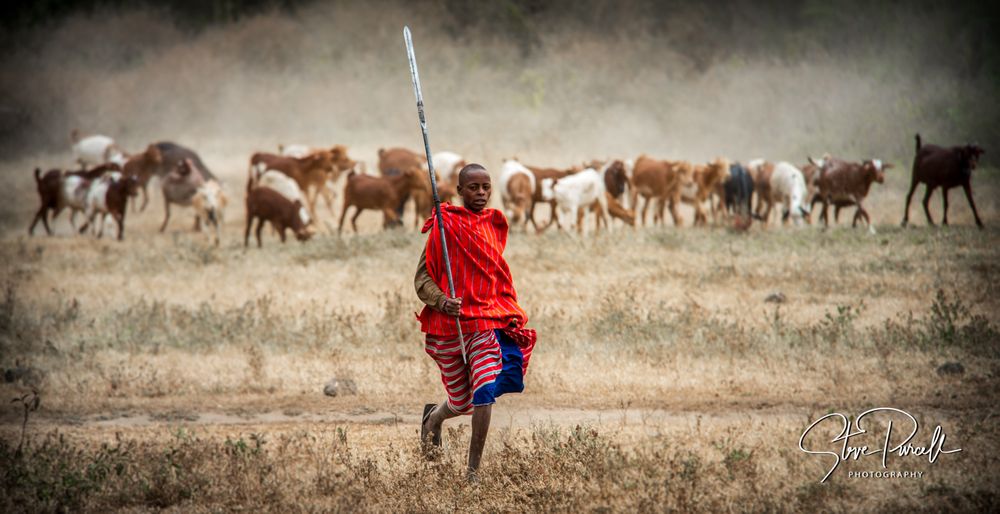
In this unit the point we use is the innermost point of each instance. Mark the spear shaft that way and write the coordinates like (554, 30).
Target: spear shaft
(415, 77)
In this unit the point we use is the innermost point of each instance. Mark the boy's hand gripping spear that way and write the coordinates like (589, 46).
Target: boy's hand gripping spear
(430, 169)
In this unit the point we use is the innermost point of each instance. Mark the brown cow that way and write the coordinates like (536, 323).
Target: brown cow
(842, 181)
(309, 172)
(707, 178)
(662, 181)
(380, 193)
(946, 168)
(265, 204)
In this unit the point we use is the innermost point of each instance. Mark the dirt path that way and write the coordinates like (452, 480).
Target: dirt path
(503, 416)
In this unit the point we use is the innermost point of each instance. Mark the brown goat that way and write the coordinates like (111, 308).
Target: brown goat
(310, 172)
(380, 193)
(660, 181)
(48, 192)
(393, 162)
(707, 177)
(518, 197)
(143, 166)
(946, 168)
(849, 182)
(265, 204)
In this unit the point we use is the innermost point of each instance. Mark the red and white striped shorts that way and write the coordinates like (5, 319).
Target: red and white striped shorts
(483, 352)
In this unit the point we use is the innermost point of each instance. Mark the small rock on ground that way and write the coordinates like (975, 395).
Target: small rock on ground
(340, 387)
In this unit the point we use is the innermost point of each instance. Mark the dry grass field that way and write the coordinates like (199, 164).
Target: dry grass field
(173, 374)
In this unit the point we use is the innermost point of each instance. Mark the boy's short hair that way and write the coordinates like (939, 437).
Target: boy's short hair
(469, 168)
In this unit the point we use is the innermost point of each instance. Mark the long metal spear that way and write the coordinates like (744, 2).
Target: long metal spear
(415, 76)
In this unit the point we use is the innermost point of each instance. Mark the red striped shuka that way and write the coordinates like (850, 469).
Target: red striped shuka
(476, 242)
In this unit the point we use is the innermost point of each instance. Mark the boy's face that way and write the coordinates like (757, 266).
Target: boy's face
(475, 189)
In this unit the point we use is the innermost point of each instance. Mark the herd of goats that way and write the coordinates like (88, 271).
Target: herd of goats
(283, 188)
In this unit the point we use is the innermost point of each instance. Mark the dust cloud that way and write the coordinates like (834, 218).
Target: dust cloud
(556, 86)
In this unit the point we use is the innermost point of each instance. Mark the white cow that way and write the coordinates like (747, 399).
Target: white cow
(788, 186)
(577, 191)
(96, 149)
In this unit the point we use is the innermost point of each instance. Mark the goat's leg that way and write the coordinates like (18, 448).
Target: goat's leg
(909, 196)
(86, 224)
(862, 212)
(246, 233)
(354, 220)
(41, 212)
(328, 196)
(120, 219)
(260, 226)
(72, 218)
(100, 229)
(145, 199)
(554, 218)
(343, 214)
(760, 205)
(166, 217)
(281, 233)
(944, 202)
(824, 214)
(927, 209)
(645, 207)
(531, 218)
(312, 196)
(858, 215)
(967, 187)
(678, 220)
(45, 221)
(836, 214)
(389, 217)
(604, 214)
